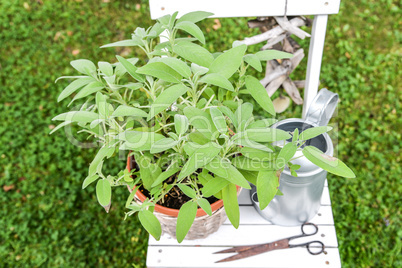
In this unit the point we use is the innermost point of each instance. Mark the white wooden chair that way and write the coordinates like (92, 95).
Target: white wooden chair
(253, 229)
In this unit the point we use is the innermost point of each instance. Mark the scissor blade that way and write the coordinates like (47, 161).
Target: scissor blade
(236, 249)
(239, 256)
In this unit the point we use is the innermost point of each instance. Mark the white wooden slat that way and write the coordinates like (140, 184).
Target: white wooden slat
(244, 197)
(250, 8)
(248, 215)
(203, 257)
(252, 234)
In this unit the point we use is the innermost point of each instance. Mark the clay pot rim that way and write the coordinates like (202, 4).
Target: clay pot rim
(172, 211)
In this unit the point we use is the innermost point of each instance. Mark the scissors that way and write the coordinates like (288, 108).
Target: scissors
(251, 250)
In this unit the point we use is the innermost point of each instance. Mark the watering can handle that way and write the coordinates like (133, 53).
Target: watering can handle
(322, 108)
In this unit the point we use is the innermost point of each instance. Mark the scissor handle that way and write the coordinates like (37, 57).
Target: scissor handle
(309, 233)
(315, 252)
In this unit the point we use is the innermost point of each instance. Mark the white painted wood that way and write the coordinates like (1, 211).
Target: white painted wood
(248, 215)
(250, 8)
(203, 257)
(314, 60)
(229, 236)
(244, 198)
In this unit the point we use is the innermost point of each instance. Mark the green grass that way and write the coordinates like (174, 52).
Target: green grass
(47, 220)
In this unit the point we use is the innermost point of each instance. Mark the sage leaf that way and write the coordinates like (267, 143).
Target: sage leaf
(130, 68)
(286, 153)
(103, 192)
(205, 205)
(192, 29)
(150, 223)
(77, 116)
(178, 65)
(295, 135)
(84, 66)
(217, 166)
(106, 68)
(264, 123)
(164, 175)
(225, 110)
(195, 16)
(194, 53)
(254, 61)
(180, 123)
(161, 71)
(166, 98)
(263, 134)
(251, 144)
(259, 94)
(163, 145)
(123, 43)
(217, 80)
(65, 123)
(88, 180)
(103, 152)
(250, 176)
(245, 163)
(202, 156)
(102, 105)
(244, 116)
(92, 87)
(202, 121)
(124, 110)
(185, 219)
(229, 196)
(187, 190)
(138, 140)
(219, 120)
(328, 163)
(266, 55)
(149, 172)
(257, 154)
(267, 186)
(313, 132)
(74, 86)
(214, 186)
(229, 62)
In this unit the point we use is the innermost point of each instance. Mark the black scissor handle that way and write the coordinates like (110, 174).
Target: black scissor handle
(306, 233)
(315, 252)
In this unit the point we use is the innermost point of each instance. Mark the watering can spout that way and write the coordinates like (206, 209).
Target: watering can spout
(322, 108)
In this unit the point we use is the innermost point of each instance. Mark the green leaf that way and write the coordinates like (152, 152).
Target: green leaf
(266, 55)
(187, 190)
(123, 43)
(251, 144)
(257, 154)
(77, 116)
(124, 110)
(131, 69)
(195, 16)
(150, 223)
(286, 153)
(198, 138)
(74, 86)
(130, 199)
(106, 68)
(103, 152)
(166, 98)
(295, 135)
(192, 29)
(164, 175)
(229, 196)
(178, 65)
(65, 123)
(267, 186)
(84, 66)
(161, 71)
(149, 172)
(229, 62)
(198, 70)
(139, 141)
(103, 192)
(245, 163)
(194, 53)
(205, 205)
(218, 167)
(102, 105)
(72, 77)
(92, 87)
(263, 134)
(185, 219)
(254, 61)
(219, 120)
(250, 176)
(244, 114)
(217, 80)
(202, 121)
(264, 123)
(202, 156)
(214, 186)
(180, 123)
(163, 145)
(88, 180)
(313, 132)
(329, 163)
(259, 94)
(229, 114)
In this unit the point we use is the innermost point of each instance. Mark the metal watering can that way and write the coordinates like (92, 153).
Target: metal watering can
(301, 197)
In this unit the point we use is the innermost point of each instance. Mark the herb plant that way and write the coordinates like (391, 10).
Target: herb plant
(182, 116)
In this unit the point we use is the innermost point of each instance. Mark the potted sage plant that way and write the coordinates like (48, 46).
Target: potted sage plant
(191, 140)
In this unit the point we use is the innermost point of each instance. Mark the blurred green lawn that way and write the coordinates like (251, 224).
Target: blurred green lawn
(47, 220)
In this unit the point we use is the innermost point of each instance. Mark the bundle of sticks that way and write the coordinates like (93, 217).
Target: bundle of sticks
(276, 32)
